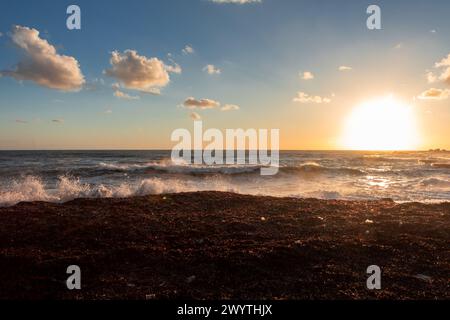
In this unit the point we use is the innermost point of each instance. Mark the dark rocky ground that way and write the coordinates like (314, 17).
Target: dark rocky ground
(212, 245)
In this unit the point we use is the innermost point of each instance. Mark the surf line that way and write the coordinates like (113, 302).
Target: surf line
(209, 147)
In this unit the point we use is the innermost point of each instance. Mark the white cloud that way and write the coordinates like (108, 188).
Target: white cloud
(212, 69)
(442, 73)
(236, 1)
(122, 95)
(188, 50)
(60, 121)
(21, 121)
(42, 64)
(174, 69)
(434, 94)
(140, 73)
(345, 68)
(305, 98)
(431, 77)
(307, 75)
(230, 107)
(195, 116)
(445, 64)
(192, 103)
(1, 34)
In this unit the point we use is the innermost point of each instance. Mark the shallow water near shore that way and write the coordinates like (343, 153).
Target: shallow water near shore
(58, 176)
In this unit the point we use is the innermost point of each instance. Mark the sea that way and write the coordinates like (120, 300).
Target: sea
(60, 176)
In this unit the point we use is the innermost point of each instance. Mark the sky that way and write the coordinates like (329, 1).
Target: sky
(137, 70)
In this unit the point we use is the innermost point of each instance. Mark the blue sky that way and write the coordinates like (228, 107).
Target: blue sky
(260, 49)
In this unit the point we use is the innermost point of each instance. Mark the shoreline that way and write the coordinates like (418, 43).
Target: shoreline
(131, 197)
(216, 245)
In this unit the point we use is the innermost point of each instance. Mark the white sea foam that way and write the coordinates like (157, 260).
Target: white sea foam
(60, 177)
(31, 188)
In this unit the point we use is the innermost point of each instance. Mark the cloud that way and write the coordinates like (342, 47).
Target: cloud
(175, 68)
(399, 45)
(445, 64)
(1, 34)
(195, 116)
(345, 68)
(122, 95)
(434, 94)
(140, 73)
(108, 111)
(58, 121)
(192, 103)
(42, 64)
(236, 1)
(305, 98)
(307, 75)
(229, 107)
(94, 84)
(431, 77)
(443, 72)
(188, 50)
(21, 121)
(212, 69)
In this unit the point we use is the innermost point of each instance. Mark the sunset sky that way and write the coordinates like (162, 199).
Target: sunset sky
(137, 70)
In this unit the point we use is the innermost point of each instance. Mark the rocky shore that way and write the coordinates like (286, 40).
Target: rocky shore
(212, 245)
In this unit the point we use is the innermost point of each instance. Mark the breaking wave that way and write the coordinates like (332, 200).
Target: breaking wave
(235, 169)
(31, 188)
(63, 176)
(435, 182)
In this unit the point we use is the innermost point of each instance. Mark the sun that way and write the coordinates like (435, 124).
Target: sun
(381, 124)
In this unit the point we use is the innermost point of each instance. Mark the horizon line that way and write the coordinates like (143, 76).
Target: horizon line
(280, 150)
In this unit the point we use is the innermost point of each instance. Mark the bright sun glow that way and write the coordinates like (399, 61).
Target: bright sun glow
(381, 124)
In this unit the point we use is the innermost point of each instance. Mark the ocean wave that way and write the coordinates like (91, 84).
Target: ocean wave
(315, 168)
(166, 166)
(32, 188)
(385, 158)
(435, 182)
(441, 165)
(122, 166)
